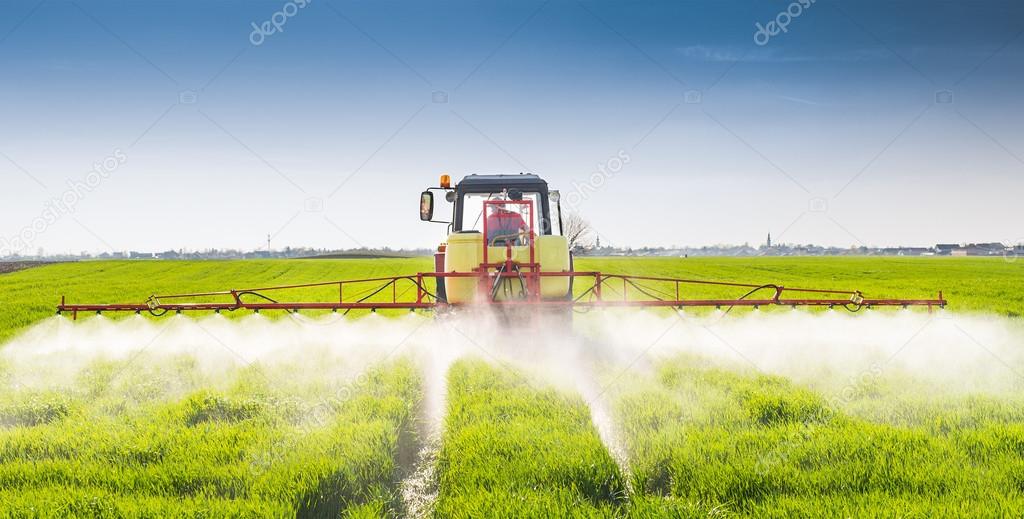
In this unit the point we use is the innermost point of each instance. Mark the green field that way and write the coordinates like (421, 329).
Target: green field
(767, 448)
(970, 284)
(115, 445)
(152, 435)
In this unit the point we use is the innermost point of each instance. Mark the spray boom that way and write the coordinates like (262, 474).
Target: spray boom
(593, 290)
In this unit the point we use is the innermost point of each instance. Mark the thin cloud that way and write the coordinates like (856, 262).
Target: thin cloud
(801, 100)
(777, 54)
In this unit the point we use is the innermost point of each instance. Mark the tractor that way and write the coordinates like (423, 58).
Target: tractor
(508, 225)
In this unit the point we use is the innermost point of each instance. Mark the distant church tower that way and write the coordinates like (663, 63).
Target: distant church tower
(769, 240)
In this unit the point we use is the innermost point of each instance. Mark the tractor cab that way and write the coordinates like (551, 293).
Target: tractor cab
(505, 226)
(468, 197)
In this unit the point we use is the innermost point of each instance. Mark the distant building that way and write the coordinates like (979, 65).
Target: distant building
(914, 251)
(980, 249)
(991, 249)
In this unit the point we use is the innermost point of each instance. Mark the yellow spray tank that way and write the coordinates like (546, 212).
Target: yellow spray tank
(465, 253)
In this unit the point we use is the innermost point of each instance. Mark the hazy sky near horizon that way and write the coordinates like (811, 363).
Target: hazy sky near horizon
(865, 122)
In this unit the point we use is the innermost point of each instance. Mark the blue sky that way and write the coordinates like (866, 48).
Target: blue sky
(870, 123)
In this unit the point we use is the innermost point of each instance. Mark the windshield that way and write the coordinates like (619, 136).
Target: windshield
(473, 210)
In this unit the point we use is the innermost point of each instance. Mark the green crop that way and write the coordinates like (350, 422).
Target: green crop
(757, 445)
(253, 447)
(970, 284)
(157, 435)
(515, 449)
(31, 295)
(991, 285)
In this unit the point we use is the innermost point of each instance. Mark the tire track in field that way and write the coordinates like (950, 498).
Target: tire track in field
(419, 486)
(602, 416)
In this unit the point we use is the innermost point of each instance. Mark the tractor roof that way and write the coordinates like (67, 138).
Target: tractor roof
(473, 182)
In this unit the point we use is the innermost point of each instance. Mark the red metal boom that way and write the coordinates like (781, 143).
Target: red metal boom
(600, 291)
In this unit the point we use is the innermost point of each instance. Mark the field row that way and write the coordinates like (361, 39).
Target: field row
(117, 445)
(699, 440)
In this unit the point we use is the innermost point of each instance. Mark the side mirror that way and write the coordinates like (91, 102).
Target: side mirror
(426, 206)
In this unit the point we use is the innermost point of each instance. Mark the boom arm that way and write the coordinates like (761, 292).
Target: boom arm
(409, 293)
